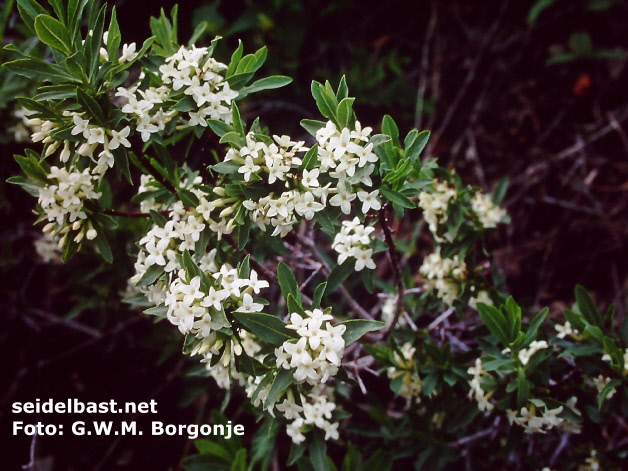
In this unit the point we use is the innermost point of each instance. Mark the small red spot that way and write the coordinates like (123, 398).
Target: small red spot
(582, 86)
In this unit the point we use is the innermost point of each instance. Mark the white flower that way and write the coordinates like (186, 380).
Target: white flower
(248, 305)
(343, 199)
(128, 53)
(369, 201)
(120, 138)
(248, 168)
(310, 178)
(80, 126)
(290, 410)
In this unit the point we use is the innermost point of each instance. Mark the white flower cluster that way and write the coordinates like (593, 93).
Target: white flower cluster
(481, 297)
(487, 212)
(346, 156)
(22, 130)
(48, 249)
(224, 375)
(317, 412)
(194, 71)
(94, 136)
(600, 383)
(317, 355)
(533, 423)
(62, 203)
(565, 330)
(199, 312)
(434, 205)
(148, 204)
(591, 463)
(443, 275)
(275, 159)
(181, 232)
(476, 388)
(353, 241)
(272, 162)
(526, 353)
(411, 385)
(143, 106)
(128, 50)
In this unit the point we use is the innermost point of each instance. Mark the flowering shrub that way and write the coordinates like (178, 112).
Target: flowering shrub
(272, 260)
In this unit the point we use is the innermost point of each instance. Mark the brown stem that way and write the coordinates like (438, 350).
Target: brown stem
(396, 268)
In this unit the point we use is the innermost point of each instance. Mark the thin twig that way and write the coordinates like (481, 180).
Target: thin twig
(66, 322)
(396, 268)
(359, 310)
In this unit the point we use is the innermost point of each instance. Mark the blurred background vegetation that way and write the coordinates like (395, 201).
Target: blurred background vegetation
(531, 90)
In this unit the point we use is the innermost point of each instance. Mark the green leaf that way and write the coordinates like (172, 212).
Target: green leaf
(318, 450)
(220, 128)
(103, 247)
(114, 37)
(267, 83)
(534, 326)
(198, 33)
(185, 104)
(157, 218)
(593, 332)
(287, 282)
(495, 321)
(318, 295)
(379, 139)
(612, 384)
(55, 92)
(617, 356)
(587, 307)
(226, 167)
(312, 125)
(52, 32)
(416, 146)
(356, 328)
(282, 381)
(499, 192)
(575, 319)
(157, 311)
(40, 70)
(523, 389)
(296, 452)
(187, 197)
(310, 160)
(208, 447)
(338, 275)
(150, 275)
(29, 10)
(264, 442)
(268, 328)
(93, 43)
(345, 112)
(293, 305)
(326, 104)
(91, 106)
(537, 9)
(343, 90)
(396, 198)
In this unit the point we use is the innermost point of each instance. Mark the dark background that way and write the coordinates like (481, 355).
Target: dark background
(478, 72)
